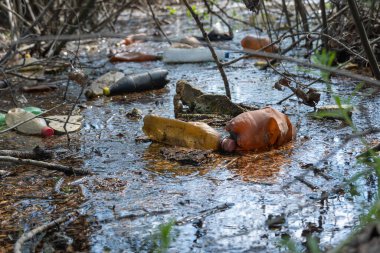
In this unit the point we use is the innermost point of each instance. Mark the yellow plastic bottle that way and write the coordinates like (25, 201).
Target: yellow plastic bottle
(197, 135)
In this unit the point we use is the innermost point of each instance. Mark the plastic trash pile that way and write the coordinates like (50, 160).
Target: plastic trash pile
(27, 121)
(252, 130)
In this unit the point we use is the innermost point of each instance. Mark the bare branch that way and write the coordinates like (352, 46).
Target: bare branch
(205, 36)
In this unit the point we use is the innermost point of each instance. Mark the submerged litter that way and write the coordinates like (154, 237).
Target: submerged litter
(256, 43)
(36, 126)
(133, 57)
(150, 80)
(58, 123)
(108, 79)
(191, 55)
(175, 132)
(258, 130)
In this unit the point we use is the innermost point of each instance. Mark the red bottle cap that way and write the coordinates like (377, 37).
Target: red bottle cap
(228, 145)
(47, 131)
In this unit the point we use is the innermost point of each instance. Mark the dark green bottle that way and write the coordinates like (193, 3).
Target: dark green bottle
(150, 80)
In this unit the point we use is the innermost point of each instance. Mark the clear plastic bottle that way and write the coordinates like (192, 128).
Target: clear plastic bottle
(190, 55)
(36, 126)
(197, 135)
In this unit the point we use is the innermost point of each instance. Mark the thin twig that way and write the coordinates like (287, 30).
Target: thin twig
(157, 22)
(41, 15)
(209, 8)
(294, 44)
(324, 23)
(307, 183)
(84, 82)
(337, 149)
(73, 37)
(337, 71)
(30, 9)
(204, 213)
(300, 8)
(236, 19)
(50, 166)
(364, 38)
(288, 20)
(36, 153)
(205, 36)
(32, 233)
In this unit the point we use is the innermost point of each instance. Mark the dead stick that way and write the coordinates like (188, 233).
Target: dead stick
(203, 214)
(337, 71)
(340, 12)
(324, 23)
(156, 21)
(236, 19)
(205, 36)
(322, 174)
(209, 8)
(307, 183)
(364, 38)
(40, 16)
(32, 233)
(36, 153)
(50, 166)
(339, 67)
(288, 20)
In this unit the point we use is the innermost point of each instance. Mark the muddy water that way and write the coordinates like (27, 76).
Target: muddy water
(180, 191)
(135, 189)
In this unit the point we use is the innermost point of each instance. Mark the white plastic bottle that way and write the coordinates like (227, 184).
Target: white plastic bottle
(189, 55)
(36, 126)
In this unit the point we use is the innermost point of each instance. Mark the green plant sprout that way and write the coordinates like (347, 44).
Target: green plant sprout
(194, 8)
(172, 11)
(162, 237)
(325, 58)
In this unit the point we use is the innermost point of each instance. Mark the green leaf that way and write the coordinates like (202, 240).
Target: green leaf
(325, 58)
(194, 8)
(172, 11)
(312, 243)
(162, 237)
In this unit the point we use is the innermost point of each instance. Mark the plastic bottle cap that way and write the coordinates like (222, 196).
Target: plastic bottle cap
(47, 131)
(106, 91)
(228, 145)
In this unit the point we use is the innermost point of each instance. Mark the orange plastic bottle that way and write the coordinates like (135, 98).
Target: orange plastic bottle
(257, 43)
(258, 130)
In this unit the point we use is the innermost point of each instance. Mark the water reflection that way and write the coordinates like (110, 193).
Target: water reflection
(262, 167)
